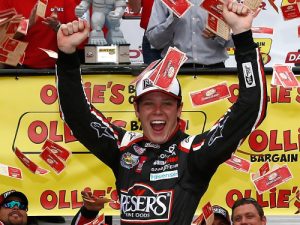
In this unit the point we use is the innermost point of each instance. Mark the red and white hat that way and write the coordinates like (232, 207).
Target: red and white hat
(145, 85)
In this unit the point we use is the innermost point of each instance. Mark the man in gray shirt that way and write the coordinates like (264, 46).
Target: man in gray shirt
(188, 34)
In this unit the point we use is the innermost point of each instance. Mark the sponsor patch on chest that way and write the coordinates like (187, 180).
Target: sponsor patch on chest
(129, 160)
(141, 203)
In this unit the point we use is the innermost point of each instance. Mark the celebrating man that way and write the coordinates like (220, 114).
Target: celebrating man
(162, 174)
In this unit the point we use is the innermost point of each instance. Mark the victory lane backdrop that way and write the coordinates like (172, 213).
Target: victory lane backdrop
(30, 116)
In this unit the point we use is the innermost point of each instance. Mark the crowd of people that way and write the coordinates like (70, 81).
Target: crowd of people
(162, 30)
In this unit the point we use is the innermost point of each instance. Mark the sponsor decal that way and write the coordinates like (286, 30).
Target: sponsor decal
(129, 160)
(164, 175)
(164, 168)
(101, 130)
(141, 163)
(142, 204)
(130, 137)
(139, 150)
(147, 83)
(217, 131)
(293, 57)
(248, 75)
(159, 162)
(171, 149)
(151, 145)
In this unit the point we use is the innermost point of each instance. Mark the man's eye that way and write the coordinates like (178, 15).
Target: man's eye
(237, 219)
(168, 103)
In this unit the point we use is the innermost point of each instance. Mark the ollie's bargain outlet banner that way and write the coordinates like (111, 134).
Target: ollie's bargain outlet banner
(277, 37)
(29, 116)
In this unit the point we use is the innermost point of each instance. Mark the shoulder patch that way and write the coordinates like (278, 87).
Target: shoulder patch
(129, 137)
(248, 75)
(187, 143)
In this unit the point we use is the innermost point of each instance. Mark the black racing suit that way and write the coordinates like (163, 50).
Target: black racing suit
(163, 184)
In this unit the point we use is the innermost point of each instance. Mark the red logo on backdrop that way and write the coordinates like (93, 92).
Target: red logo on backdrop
(293, 57)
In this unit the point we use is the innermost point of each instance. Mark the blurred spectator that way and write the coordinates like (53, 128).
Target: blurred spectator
(221, 216)
(248, 211)
(150, 54)
(90, 209)
(13, 208)
(188, 34)
(42, 31)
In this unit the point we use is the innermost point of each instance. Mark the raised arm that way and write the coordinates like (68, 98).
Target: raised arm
(211, 149)
(88, 124)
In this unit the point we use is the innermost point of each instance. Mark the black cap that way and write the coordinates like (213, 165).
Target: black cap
(15, 193)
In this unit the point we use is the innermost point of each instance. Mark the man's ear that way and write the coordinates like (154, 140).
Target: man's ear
(264, 220)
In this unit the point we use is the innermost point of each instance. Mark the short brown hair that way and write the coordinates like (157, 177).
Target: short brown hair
(244, 201)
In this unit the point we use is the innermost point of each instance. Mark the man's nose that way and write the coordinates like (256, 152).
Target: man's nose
(16, 207)
(157, 109)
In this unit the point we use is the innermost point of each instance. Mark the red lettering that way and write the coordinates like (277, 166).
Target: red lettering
(273, 138)
(280, 96)
(48, 94)
(117, 97)
(298, 96)
(62, 203)
(48, 199)
(273, 198)
(288, 146)
(74, 200)
(37, 132)
(98, 94)
(283, 198)
(134, 53)
(284, 95)
(53, 132)
(258, 140)
(234, 91)
(280, 199)
(232, 196)
(68, 134)
(260, 200)
(274, 94)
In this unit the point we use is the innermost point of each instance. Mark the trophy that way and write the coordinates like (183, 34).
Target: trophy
(110, 49)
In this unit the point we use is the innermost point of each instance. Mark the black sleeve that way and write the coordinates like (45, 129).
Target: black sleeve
(84, 216)
(88, 124)
(211, 149)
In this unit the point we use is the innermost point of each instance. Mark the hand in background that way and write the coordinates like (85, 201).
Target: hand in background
(32, 18)
(92, 202)
(52, 21)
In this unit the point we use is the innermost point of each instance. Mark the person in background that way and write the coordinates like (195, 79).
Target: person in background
(221, 216)
(41, 31)
(247, 211)
(162, 173)
(90, 209)
(188, 34)
(13, 208)
(150, 53)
